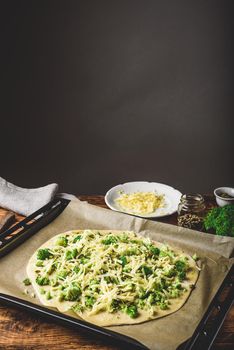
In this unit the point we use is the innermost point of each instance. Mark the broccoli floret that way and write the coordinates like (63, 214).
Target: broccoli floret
(180, 265)
(163, 306)
(163, 284)
(71, 254)
(181, 275)
(76, 269)
(51, 269)
(27, 282)
(62, 274)
(94, 281)
(77, 308)
(177, 285)
(174, 293)
(195, 257)
(152, 299)
(107, 279)
(132, 311)
(124, 238)
(84, 260)
(115, 305)
(53, 282)
(135, 241)
(43, 254)
(77, 238)
(72, 294)
(42, 281)
(146, 270)
(170, 273)
(124, 260)
(132, 251)
(163, 253)
(155, 297)
(110, 279)
(110, 240)
(61, 296)
(89, 301)
(141, 303)
(62, 241)
(143, 294)
(157, 286)
(48, 295)
(154, 250)
(126, 269)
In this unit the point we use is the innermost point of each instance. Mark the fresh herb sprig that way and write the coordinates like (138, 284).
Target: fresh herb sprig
(221, 220)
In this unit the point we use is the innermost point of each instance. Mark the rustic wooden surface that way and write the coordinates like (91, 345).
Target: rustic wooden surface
(19, 330)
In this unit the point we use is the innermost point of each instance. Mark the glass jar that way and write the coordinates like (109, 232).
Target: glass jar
(191, 211)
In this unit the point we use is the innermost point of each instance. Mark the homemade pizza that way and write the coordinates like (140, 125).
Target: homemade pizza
(111, 277)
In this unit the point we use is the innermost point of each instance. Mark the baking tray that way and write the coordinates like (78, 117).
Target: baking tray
(203, 336)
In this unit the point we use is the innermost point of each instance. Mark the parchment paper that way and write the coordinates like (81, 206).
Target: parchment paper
(215, 253)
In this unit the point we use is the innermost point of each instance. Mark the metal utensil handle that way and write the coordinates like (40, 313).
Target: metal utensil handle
(17, 234)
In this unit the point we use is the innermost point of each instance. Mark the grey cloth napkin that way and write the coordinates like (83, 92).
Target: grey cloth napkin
(25, 201)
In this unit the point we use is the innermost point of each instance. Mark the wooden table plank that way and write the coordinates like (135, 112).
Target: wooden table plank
(19, 330)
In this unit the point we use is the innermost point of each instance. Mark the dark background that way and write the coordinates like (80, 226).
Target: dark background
(96, 93)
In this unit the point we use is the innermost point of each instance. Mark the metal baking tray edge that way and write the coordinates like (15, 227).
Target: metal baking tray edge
(202, 337)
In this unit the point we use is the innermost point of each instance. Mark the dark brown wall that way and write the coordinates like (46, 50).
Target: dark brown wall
(95, 93)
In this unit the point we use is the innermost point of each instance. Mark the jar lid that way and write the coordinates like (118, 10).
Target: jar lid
(192, 200)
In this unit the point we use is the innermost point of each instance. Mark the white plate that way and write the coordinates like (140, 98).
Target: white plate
(171, 197)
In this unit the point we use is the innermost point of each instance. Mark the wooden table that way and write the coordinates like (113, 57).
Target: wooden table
(21, 330)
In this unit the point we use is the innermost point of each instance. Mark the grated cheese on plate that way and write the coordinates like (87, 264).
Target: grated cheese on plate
(140, 202)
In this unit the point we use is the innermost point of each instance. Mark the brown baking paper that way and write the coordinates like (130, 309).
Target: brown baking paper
(215, 253)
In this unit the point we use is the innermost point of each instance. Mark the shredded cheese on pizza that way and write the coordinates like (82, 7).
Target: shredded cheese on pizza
(122, 272)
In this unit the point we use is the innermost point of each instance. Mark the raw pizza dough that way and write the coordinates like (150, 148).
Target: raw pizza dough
(104, 318)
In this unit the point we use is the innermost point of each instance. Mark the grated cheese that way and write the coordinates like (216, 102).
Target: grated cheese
(109, 268)
(140, 202)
